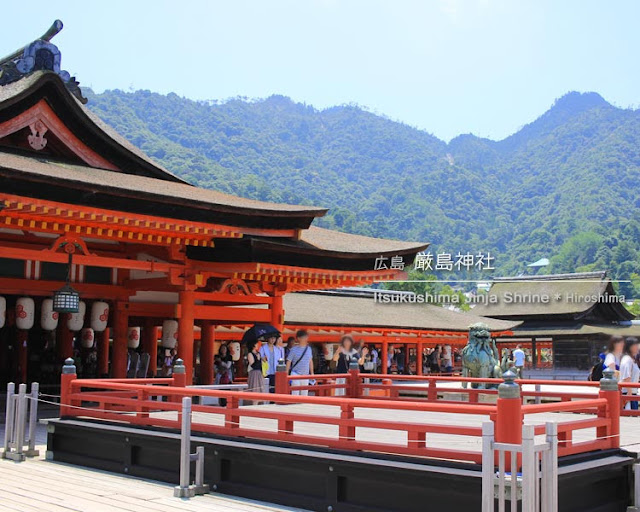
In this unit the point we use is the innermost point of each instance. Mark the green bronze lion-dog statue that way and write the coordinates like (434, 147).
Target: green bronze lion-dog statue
(479, 356)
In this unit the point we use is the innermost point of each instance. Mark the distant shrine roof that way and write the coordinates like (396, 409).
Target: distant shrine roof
(587, 296)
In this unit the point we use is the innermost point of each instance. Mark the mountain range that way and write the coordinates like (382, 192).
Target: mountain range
(564, 187)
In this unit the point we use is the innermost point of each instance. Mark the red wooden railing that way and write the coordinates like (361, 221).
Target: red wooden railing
(345, 422)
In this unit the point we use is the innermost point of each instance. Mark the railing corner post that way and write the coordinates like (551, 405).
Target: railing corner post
(354, 379)
(509, 420)
(610, 390)
(66, 379)
(282, 379)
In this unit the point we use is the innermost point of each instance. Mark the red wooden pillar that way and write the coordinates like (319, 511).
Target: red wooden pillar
(277, 313)
(103, 352)
(185, 332)
(419, 348)
(23, 359)
(150, 344)
(64, 338)
(406, 358)
(207, 340)
(385, 357)
(120, 342)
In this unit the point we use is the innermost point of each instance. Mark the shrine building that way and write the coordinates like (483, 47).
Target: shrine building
(101, 247)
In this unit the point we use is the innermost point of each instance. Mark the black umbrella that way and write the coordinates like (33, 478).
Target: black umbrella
(259, 331)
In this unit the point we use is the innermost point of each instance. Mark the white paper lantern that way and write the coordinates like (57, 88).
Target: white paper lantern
(76, 320)
(25, 313)
(48, 317)
(134, 337)
(87, 337)
(234, 350)
(3, 311)
(169, 333)
(99, 316)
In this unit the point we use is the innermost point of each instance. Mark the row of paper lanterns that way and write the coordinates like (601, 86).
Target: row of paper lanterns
(25, 319)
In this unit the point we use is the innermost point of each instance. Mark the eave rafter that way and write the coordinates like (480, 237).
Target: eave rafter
(60, 218)
(300, 278)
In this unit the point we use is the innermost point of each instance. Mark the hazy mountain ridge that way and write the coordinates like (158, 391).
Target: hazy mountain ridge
(566, 185)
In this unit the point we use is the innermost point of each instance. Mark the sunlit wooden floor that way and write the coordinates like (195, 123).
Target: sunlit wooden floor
(38, 485)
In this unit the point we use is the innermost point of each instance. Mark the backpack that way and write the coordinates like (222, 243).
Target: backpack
(596, 372)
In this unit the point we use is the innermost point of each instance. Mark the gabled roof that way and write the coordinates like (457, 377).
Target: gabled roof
(587, 295)
(43, 93)
(53, 148)
(344, 310)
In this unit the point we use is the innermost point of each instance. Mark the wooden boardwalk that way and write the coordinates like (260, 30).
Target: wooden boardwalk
(38, 485)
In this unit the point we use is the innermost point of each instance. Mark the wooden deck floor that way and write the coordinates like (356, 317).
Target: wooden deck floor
(38, 485)
(630, 431)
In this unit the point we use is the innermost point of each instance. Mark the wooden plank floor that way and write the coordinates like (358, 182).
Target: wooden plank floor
(630, 431)
(38, 485)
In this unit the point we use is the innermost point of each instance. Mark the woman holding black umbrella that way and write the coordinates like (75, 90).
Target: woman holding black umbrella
(252, 338)
(255, 379)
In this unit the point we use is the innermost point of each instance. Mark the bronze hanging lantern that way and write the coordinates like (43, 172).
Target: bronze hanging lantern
(66, 299)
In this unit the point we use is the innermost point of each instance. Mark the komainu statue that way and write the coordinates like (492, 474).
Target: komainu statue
(480, 356)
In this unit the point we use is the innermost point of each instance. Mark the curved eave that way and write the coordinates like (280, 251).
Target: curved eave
(75, 184)
(26, 92)
(297, 253)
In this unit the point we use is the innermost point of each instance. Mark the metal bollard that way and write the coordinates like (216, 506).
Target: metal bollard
(185, 490)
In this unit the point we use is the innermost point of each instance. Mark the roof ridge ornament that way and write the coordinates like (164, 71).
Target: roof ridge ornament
(39, 55)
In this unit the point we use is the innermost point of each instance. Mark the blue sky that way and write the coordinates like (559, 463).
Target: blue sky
(446, 66)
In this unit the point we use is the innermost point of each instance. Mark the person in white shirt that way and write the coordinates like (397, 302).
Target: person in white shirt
(447, 359)
(615, 349)
(629, 371)
(519, 358)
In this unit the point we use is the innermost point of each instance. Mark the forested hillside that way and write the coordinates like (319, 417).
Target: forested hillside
(566, 186)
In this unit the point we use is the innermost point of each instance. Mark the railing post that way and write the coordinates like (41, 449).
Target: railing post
(529, 473)
(354, 379)
(282, 379)
(549, 484)
(508, 421)
(488, 466)
(508, 426)
(33, 420)
(610, 390)
(179, 374)
(231, 417)
(9, 417)
(20, 421)
(67, 377)
(346, 432)
(179, 378)
(184, 490)
(432, 391)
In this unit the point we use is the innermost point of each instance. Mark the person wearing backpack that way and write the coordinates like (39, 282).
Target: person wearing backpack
(300, 362)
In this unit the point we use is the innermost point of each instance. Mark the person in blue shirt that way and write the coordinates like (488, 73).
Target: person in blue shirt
(300, 362)
(272, 353)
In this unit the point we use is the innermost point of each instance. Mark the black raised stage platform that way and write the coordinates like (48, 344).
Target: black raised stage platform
(325, 480)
